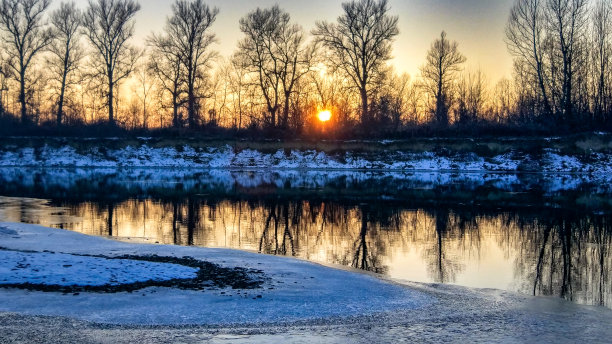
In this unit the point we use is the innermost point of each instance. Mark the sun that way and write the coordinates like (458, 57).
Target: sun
(324, 116)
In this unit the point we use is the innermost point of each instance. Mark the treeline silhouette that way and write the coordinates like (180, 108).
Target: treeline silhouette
(76, 70)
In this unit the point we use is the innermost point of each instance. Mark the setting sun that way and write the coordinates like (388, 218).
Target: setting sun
(324, 116)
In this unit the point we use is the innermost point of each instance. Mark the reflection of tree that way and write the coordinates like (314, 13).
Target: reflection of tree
(602, 235)
(554, 264)
(109, 223)
(367, 256)
(540, 262)
(176, 219)
(566, 254)
(278, 214)
(556, 252)
(360, 260)
(192, 220)
(264, 235)
(441, 227)
(185, 223)
(443, 269)
(287, 233)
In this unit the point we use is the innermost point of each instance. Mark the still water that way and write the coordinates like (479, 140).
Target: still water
(530, 234)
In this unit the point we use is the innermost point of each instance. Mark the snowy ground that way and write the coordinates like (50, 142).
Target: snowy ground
(294, 290)
(309, 303)
(72, 270)
(226, 157)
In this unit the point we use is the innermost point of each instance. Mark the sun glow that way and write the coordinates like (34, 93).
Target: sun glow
(324, 116)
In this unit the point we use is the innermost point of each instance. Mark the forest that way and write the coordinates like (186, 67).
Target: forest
(79, 69)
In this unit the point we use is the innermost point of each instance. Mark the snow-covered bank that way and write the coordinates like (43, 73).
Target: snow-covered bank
(293, 290)
(227, 157)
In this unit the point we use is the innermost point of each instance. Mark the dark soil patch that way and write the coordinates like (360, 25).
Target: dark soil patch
(209, 277)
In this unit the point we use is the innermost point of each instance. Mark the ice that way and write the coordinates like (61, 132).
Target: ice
(293, 289)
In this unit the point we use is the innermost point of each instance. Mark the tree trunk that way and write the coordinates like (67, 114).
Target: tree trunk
(285, 123)
(568, 105)
(145, 123)
(441, 111)
(239, 111)
(60, 105)
(540, 72)
(111, 96)
(599, 112)
(547, 107)
(175, 119)
(365, 114)
(191, 106)
(273, 116)
(60, 108)
(22, 98)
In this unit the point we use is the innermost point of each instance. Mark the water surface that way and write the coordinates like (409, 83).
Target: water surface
(536, 234)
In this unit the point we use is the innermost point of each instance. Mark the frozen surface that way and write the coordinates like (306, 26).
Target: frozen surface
(294, 290)
(459, 316)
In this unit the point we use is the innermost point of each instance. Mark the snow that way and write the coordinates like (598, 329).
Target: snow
(556, 162)
(294, 290)
(226, 157)
(73, 270)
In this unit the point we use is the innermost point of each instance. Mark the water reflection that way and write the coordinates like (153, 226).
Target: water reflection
(543, 251)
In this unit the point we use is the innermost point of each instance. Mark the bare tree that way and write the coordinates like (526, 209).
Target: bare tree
(392, 102)
(239, 88)
(471, 94)
(504, 101)
(360, 44)
(439, 75)
(188, 33)
(568, 21)
(165, 64)
(525, 35)
(275, 51)
(255, 55)
(36, 95)
(602, 56)
(143, 91)
(108, 26)
(25, 34)
(5, 74)
(65, 49)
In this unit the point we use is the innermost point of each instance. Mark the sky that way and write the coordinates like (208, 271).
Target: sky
(478, 26)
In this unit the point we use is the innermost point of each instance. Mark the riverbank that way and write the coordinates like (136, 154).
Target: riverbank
(590, 153)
